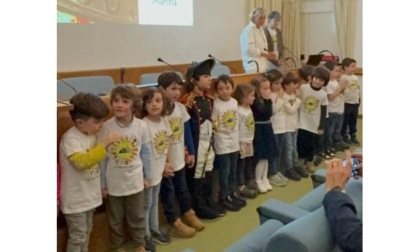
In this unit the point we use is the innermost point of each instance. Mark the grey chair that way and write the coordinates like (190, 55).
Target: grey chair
(64, 91)
(219, 69)
(152, 78)
(98, 85)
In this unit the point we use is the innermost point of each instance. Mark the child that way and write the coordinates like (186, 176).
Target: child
(351, 101)
(154, 115)
(199, 107)
(245, 96)
(226, 143)
(174, 189)
(306, 72)
(122, 173)
(80, 154)
(293, 170)
(264, 145)
(278, 122)
(335, 108)
(312, 116)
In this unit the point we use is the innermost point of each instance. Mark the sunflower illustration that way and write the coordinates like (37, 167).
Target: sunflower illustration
(177, 128)
(249, 123)
(124, 150)
(353, 84)
(160, 142)
(229, 119)
(310, 104)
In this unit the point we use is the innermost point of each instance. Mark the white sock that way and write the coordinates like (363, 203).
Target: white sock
(259, 169)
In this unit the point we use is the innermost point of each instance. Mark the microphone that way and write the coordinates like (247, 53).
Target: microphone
(290, 58)
(70, 86)
(293, 55)
(174, 67)
(256, 63)
(122, 74)
(233, 69)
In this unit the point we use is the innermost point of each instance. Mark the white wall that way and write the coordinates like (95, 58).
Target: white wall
(216, 30)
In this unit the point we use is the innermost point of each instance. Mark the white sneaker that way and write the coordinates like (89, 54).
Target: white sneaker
(282, 177)
(267, 184)
(261, 186)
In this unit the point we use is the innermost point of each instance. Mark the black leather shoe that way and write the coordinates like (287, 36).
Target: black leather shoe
(292, 175)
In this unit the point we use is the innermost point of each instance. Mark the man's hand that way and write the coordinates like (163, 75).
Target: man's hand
(337, 175)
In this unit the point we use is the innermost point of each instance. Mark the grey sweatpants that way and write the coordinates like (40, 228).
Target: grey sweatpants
(79, 226)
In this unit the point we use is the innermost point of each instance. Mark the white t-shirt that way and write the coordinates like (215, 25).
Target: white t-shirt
(291, 105)
(124, 168)
(310, 111)
(246, 124)
(351, 92)
(80, 190)
(225, 117)
(336, 105)
(159, 134)
(176, 121)
(278, 119)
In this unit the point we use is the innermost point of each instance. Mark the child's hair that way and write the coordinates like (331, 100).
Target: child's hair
(330, 65)
(274, 15)
(225, 79)
(256, 82)
(289, 78)
(305, 71)
(148, 95)
(347, 61)
(273, 75)
(87, 105)
(167, 78)
(241, 91)
(130, 92)
(189, 84)
(322, 73)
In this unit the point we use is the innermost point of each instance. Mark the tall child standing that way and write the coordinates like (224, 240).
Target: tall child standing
(264, 145)
(351, 101)
(79, 156)
(122, 173)
(226, 143)
(174, 189)
(312, 114)
(245, 96)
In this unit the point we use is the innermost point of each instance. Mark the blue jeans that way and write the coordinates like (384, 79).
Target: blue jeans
(244, 170)
(227, 173)
(351, 111)
(335, 123)
(174, 191)
(274, 165)
(151, 209)
(290, 155)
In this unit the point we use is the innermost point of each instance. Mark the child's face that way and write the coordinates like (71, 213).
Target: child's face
(89, 126)
(249, 98)
(224, 90)
(122, 108)
(276, 86)
(204, 82)
(317, 82)
(173, 91)
(291, 87)
(265, 89)
(335, 73)
(155, 105)
(350, 69)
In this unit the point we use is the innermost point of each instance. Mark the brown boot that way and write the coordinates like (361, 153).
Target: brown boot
(310, 167)
(181, 230)
(192, 220)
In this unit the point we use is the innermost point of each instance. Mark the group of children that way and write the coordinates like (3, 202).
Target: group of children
(159, 145)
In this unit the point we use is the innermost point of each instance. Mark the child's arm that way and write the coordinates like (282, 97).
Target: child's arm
(291, 106)
(322, 119)
(336, 92)
(189, 143)
(102, 168)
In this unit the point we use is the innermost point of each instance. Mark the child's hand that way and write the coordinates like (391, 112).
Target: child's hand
(298, 93)
(146, 183)
(320, 132)
(168, 171)
(104, 193)
(190, 160)
(112, 137)
(280, 93)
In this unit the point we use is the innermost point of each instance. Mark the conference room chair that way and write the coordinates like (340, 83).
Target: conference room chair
(152, 78)
(219, 69)
(64, 92)
(98, 85)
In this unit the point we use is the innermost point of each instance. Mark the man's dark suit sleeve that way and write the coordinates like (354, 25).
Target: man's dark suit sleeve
(346, 227)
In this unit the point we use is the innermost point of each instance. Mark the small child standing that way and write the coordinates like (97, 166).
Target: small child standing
(226, 143)
(293, 170)
(351, 101)
(174, 189)
(264, 145)
(245, 96)
(79, 156)
(122, 173)
(154, 115)
(312, 116)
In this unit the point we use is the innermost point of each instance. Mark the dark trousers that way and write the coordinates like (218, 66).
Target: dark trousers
(351, 111)
(174, 191)
(244, 170)
(306, 144)
(227, 173)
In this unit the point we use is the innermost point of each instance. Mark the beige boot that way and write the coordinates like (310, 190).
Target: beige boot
(192, 220)
(310, 167)
(181, 230)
